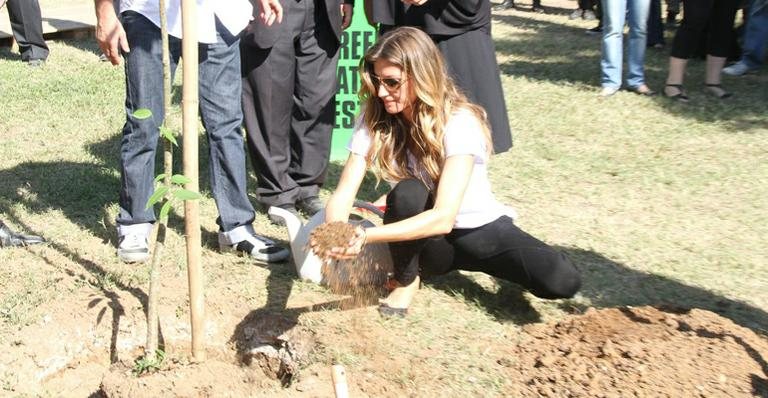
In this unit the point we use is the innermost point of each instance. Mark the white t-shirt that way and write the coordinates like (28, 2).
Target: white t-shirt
(233, 14)
(463, 136)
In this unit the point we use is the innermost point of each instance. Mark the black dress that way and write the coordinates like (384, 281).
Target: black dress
(462, 31)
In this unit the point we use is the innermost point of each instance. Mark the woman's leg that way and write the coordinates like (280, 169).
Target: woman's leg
(407, 199)
(503, 250)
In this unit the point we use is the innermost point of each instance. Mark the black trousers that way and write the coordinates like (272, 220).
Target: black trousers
(27, 27)
(718, 15)
(289, 104)
(499, 249)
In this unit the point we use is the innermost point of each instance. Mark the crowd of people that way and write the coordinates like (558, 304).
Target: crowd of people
(432, 113)
(707, 29)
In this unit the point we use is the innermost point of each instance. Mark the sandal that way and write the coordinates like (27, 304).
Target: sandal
(718, 91)
(680, 96)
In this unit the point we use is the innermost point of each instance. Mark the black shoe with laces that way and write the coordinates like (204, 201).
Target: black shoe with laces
(310, 206)
(279, 220)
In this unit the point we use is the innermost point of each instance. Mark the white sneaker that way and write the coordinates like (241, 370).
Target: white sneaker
(258, 247)
(133, 248)
(737, 69)
(576, 14)
(589, 15)
(608, 91)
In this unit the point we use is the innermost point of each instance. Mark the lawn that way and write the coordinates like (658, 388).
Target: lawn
(656, 202)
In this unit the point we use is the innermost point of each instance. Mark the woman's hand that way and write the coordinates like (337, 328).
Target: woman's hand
(352, 249)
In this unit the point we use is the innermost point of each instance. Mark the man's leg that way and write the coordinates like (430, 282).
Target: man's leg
(614, 12)
(144, 90)
(314, 107)
(268, 86)
(220, 93)
(756, 37)
(27, 27)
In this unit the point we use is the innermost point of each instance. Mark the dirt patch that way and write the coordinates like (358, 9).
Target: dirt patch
(616, 352)
(641, 351)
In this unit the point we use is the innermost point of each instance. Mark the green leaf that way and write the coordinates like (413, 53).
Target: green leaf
(180, 179)
(186, 194)
(142, 113)
(165, 210)
(159, 194)
(167, 133)
(159, 177)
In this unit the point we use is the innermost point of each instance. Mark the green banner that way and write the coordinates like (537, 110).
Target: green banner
(354, 42)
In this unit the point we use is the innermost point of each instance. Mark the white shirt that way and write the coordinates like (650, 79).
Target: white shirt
(233, 14)
(463, 136)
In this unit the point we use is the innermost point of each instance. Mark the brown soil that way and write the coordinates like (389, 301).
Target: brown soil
(615, 352)
(332, 235)
(643, 351)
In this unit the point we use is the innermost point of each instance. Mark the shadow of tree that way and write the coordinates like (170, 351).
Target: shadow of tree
(606, 283)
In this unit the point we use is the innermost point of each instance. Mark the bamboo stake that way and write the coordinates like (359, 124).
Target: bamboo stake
(153, 321)
(191, 207)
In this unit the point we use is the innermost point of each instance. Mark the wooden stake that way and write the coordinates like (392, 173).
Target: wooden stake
(339, 376)
(190, 105)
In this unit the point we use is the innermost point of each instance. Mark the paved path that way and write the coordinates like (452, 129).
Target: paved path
(78, 15)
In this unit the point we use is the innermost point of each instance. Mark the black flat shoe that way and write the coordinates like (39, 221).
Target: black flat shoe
(12, 239)
(310, 206)
(390, 312)
(680, 96)
(718, 91)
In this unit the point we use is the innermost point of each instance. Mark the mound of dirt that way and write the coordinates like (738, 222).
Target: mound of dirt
(615, 352)
(643, 351)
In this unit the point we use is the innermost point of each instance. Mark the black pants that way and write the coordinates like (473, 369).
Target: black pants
(499, 249)
(718, 15)
(289, 104)
(655, 29)
(27, 27)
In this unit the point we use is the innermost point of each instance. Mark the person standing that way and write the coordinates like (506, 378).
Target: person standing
(288, 101)
(718, 17)
(462, 31)
(755, 41)
(136, 37)
(27, 28)
(615, 14)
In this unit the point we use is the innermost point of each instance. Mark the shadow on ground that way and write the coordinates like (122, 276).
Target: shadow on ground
(565, 55)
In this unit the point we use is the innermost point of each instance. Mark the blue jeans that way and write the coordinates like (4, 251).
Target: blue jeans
(615, 14)
(755, 36)
(219, 89)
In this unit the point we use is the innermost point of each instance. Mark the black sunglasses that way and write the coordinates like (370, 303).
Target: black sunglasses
(390, 83)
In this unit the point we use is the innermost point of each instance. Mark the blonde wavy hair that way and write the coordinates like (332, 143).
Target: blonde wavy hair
(436, 99)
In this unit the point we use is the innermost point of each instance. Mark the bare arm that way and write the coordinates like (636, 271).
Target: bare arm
(109, 31)
(340, 203)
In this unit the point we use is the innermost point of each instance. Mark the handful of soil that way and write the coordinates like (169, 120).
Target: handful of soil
(331, 235)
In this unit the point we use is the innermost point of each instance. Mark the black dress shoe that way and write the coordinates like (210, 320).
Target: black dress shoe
(310, 206)
(505, 5)
(279, 220)
(10, 238)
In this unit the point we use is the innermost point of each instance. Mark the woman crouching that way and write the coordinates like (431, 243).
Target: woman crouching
(420, 134)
